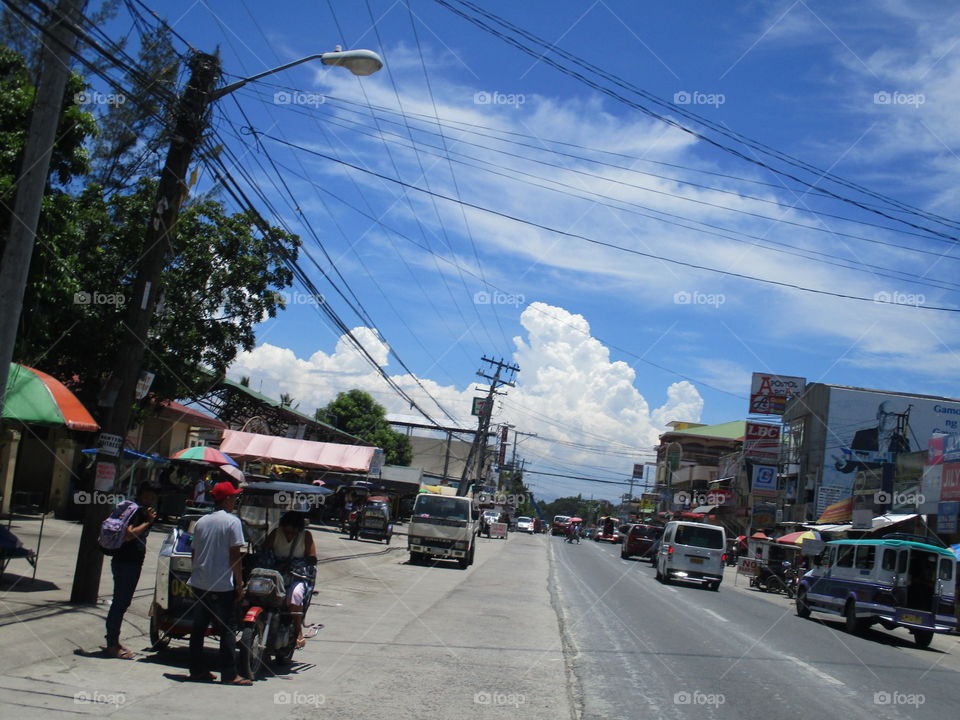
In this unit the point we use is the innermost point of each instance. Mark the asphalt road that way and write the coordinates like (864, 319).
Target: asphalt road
(643, 649)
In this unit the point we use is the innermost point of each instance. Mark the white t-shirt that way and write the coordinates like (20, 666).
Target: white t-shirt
(213, 536)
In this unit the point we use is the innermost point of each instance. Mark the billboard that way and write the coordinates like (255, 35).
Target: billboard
(761, 442)
(867, 433)
(950, 483)
(769, 393)
(764, 480)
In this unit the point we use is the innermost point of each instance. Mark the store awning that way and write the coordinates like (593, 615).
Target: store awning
(830, 528)
(887, 520)
(703, 509)
(299, 453)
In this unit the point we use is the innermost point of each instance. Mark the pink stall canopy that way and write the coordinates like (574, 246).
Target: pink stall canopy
(299, 453)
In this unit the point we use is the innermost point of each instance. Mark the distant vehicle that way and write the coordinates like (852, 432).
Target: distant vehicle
(525, 524)
(608, 530)
(442, 526)
(692, 552)
(640, 540)
(560, 523)
(891, 581)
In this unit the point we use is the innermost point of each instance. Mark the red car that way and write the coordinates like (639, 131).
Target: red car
(640, 541)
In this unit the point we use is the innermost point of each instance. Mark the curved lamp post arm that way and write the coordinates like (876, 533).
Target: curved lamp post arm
(359, 62)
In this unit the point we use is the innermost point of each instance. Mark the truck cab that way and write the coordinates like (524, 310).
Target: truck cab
(442, 527)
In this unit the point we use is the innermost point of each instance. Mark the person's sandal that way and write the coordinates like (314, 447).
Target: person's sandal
(120, 653)
(203, 678)
(242, 681)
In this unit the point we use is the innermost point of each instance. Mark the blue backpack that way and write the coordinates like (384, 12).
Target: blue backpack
(113, 530)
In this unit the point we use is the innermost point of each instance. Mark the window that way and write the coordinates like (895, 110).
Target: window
(946, 569)
(441, 507)
(865, 557)
(703, 537)
(902, 561)
(889, 559)
(845, 555)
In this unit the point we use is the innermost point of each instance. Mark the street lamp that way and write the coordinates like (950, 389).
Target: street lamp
(359, 62)
(189, 124)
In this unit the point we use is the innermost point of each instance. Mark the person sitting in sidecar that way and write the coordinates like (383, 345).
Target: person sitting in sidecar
(292, 546)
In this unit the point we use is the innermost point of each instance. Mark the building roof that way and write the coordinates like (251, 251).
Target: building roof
(734, 430)
(181, 413)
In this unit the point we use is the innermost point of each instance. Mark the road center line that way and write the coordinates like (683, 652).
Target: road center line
(816, 671)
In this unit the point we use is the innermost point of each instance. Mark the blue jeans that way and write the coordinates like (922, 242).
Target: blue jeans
(126, 575)
(218, 608)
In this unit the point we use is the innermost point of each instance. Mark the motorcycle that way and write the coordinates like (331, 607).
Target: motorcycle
(267, 626)
(769, 580)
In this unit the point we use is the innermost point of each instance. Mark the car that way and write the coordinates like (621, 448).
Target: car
(640, 540)
(525, 524)
(692, 552)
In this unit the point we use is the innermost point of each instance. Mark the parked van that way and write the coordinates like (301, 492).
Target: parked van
(896, 581)
(692, 552)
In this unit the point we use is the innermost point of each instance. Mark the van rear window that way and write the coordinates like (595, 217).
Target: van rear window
(646, 531)
(703, 537)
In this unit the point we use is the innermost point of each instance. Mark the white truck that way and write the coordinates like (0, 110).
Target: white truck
(444, 527)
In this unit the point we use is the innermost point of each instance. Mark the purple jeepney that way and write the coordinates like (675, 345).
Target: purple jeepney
(896, 581)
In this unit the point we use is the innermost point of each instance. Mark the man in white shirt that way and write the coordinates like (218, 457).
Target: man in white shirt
(217, 583)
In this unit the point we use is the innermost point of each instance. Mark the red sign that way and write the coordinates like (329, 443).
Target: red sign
(106, 475)
(935, 451)
(769, 393)
(950, 485)
(762, 442)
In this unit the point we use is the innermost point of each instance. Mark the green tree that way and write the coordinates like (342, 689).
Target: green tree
(224, 274)
(357, 413)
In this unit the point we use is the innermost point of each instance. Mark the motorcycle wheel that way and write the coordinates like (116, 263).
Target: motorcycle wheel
(158, 641)
(252, 642)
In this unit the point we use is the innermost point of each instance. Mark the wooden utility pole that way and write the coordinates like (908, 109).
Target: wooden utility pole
(58, 42)
(503, 375)
(120, 395)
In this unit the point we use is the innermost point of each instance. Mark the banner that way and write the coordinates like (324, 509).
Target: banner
(761, 441)
(764, 482)
(769, 393)
(950, 483)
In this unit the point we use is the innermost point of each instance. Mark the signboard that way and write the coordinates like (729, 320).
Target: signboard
(638, 470)
(931, 487)
(764, 480)
(950, 484)
(827, 496)
(498, 530)
(748, 566)
(144, 383)
(479, 405)
(109, 444)
(761, 441)
(764, 515)
(869, 431)
(106, 475)
(769, 393)
(947, 517)
(951, 448)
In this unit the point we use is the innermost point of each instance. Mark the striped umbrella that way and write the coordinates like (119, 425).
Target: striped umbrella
(204, 454)
(37, 398)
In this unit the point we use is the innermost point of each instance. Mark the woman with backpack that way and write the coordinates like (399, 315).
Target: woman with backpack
(127, 559)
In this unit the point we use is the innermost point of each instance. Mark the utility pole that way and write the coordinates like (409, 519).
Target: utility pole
(503, 375)
(58, 42)
(191, 121)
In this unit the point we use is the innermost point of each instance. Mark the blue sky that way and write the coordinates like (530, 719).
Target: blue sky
(611, 344)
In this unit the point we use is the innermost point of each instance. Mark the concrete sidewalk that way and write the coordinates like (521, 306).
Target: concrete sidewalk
(38, 623)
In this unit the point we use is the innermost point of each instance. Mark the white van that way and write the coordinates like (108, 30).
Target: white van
(692, 552)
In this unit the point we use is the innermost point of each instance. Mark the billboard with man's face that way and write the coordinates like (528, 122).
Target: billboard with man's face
(867, 431)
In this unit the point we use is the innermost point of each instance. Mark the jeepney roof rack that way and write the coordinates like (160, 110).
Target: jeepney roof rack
(926, 539)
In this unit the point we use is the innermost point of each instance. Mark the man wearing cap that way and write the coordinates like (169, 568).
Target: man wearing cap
(217, 582)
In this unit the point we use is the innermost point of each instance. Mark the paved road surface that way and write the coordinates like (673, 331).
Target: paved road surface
(643, 649)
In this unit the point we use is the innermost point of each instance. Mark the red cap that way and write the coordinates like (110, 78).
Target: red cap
(224, 490)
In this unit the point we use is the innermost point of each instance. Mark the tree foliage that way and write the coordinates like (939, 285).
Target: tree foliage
(223, 277)
(357, 413)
